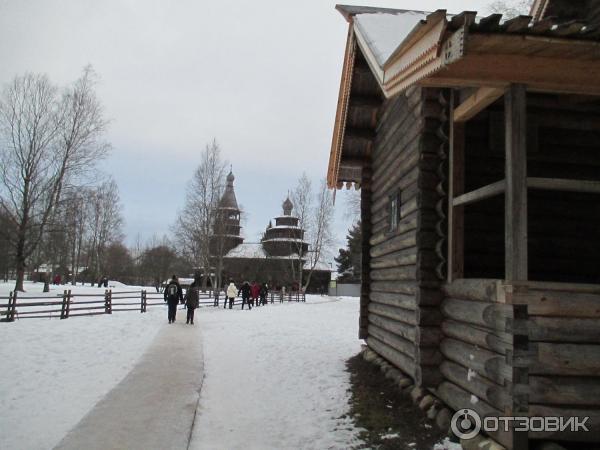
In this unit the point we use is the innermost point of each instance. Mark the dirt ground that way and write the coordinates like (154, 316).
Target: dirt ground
(390, 419)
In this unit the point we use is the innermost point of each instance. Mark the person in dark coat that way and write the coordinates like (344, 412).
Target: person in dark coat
(173, 295)
(245, 292)
(264, 291)
(254, 292)
(192, 301)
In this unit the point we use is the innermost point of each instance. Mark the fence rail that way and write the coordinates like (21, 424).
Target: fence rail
(18, 307)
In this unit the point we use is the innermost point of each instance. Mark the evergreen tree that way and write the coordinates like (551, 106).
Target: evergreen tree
(349, 259)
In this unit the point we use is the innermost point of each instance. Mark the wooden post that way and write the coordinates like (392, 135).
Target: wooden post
(143, 301)
(68, 310)
(10, 311)
(63, 309)
(515, 213)
(365, 224)
(456, 187)
(107, 302)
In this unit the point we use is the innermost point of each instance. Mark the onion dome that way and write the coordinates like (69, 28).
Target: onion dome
(287, 207)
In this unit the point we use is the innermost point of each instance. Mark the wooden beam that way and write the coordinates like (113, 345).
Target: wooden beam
(558, 184)
(540, 74)
(480, 194)
(456, 186)
(515, 112)
(477, 102)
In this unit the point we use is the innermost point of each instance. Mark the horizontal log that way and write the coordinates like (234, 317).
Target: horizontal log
(395, 243)
(593, 424)
(487, 364)
(494, 341)
(406, 331)
(554, 390)
(457, 398)
(403, 315)
(564, 329)
(480, 194)
(565, 359)
(404, 287)
(490, 315)
(401, 300)
(395, 273)
(405, 257)
(474, 289)
(557, 184)
(560, 303)
(398, 359)
(490, 392)
(393, 340)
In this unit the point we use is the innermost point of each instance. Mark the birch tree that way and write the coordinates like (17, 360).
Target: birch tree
(315, 215)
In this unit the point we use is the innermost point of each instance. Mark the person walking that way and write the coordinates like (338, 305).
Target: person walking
(173, 295)
(192, 301)
(254, 292)
(245, 293)
(264, 291)
(232, 293)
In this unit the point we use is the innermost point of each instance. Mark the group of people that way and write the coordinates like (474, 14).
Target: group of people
(174, 295)
(252, 294)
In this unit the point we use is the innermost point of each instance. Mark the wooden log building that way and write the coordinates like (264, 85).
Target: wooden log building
(475, 142)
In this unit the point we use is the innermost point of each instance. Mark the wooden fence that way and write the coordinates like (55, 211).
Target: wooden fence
(68, 305)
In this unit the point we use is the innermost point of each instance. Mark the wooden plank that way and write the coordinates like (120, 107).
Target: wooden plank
(456, 186)
(558, 184)
(564, 390)
(477, 102)
(482, 193)
(516, 183)
(541, 74)
(565, 359)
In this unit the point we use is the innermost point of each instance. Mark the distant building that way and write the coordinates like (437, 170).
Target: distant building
(275, 258)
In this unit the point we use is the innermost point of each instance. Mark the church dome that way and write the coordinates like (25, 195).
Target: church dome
(287, 207)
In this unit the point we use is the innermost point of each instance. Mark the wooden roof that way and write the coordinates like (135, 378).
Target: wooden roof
(548, 55)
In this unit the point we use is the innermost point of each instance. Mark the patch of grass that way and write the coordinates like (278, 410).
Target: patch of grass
(391, 420)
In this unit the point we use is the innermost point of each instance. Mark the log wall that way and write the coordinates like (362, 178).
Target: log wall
(532, 346)
(404, 278)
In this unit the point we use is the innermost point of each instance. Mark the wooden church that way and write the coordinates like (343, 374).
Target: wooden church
(475, 142)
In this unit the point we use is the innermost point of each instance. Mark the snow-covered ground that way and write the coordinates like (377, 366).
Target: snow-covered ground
(275, 376)
(52, 371)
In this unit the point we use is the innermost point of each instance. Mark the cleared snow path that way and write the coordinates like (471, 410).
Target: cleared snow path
(155, 404)
(275, 376)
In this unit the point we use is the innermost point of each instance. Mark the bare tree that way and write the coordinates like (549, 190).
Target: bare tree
(302, 200)
(315, 216)
(511, 8)
(47, 143)
(195, 225)
(104, 222)
(321, 236)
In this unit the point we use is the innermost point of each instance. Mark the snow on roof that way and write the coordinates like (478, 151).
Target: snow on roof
(283, 240)
(384, 32)
(248, 250)
(293, 227)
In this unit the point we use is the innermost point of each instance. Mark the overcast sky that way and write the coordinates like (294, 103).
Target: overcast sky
(262, 77)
